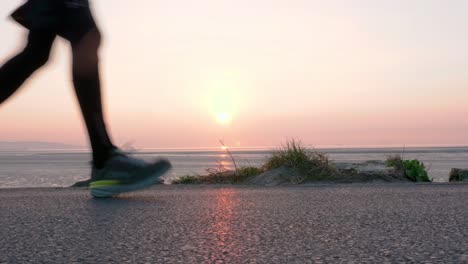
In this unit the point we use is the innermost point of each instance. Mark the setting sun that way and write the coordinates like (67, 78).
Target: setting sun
(223, 118)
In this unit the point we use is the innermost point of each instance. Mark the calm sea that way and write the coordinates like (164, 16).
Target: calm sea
(46, 168)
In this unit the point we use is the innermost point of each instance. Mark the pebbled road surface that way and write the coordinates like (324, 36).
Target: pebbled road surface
(226, 224)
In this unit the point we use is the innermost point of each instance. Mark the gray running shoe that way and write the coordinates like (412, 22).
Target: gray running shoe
(122, 173)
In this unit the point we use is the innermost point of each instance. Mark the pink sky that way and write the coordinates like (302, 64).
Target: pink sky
(331, 73)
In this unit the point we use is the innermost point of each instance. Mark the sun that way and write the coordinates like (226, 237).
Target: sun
(223, 118)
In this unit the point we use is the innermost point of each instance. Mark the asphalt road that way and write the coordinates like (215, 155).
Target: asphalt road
(226, 224)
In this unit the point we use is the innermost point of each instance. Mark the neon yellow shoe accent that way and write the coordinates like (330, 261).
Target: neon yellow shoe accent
(103, 183)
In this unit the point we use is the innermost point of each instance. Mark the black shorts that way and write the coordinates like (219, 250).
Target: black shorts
(70, 19)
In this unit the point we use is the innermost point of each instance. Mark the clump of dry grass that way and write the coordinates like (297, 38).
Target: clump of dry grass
(396, 161)
(312, 165)
(221, 175)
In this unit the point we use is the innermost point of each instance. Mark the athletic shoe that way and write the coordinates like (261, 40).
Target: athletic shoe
(83, 183)
(122, 173)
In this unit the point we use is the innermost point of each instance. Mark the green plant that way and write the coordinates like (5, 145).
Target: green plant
(220, 175)
(415, 171)
(186, 180)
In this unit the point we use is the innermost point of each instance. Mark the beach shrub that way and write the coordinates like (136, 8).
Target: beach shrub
(396, 161)
(244, 173)
(313, 165)
(221, 175)
(458, 174)
(291, 154)
(185, 180)
(415, 171)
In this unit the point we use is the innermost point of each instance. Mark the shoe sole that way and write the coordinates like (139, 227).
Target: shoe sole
(112, 188)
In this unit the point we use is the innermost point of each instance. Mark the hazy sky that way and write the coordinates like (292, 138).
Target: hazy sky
(181, 73)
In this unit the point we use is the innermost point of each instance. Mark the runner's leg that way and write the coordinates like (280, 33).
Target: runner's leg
(86, 81)
(15, 72)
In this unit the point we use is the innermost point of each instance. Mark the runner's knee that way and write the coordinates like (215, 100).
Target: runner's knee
(90, 42)
(85, 53)
(36, 56)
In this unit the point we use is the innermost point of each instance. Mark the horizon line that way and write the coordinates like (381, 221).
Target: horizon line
(220, 148)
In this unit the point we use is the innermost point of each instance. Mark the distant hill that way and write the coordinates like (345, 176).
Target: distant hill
(35, 145)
